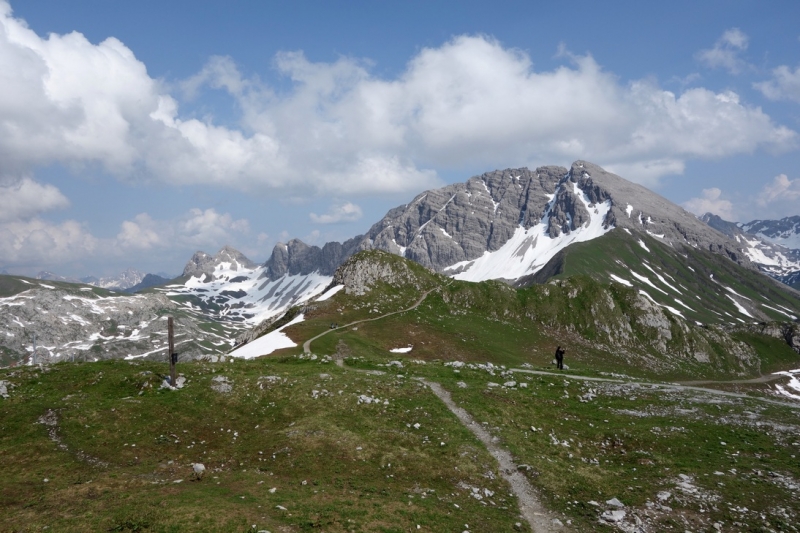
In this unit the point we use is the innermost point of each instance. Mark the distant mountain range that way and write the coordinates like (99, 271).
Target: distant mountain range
(513, 225)
(773, 245)
(131, 280)
(519, 226)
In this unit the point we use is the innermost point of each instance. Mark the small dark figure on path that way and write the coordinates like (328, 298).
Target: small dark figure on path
(560, 358)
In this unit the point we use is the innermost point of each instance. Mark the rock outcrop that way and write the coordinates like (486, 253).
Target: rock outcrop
(361, 273)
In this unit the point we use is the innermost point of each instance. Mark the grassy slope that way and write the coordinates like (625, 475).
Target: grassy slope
(329, 458)
(491, 321)
(336, 464)
(640, 438)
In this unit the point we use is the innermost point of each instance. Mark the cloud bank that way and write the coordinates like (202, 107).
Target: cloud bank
(340, 129)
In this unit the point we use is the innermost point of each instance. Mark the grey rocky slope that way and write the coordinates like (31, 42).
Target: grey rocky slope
(82, 323)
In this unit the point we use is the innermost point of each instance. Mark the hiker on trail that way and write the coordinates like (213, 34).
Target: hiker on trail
(560, 358)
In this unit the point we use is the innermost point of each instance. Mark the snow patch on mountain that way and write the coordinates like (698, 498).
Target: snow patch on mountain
(330, 292)
(266, 344)
(620, 280)
(245, 295)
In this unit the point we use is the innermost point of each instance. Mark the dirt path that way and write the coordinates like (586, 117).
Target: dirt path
(760, 379)
(684, 386)
(307, 344)
(529, 505)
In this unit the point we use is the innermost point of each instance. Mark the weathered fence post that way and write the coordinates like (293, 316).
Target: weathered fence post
(173, 357)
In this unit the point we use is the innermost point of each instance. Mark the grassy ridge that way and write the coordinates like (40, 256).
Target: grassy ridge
(602, 324)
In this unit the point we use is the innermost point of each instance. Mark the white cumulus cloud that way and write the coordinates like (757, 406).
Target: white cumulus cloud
(197, 228)
(39, 242)
(339, 129)
(726, 52)
(25, 198)
(347, 212)
(784, 85)
(711, 202)
(141, 233)
(780, 190)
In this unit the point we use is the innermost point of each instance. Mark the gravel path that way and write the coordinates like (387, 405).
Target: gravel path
(674, 386)
(529, 506)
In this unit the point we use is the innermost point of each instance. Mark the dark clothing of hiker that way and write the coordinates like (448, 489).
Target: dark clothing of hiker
(560, 358)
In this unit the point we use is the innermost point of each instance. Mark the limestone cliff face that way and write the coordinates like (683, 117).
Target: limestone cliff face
(296, 257)
(463, 221)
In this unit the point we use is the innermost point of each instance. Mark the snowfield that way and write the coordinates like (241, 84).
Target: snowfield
(266, 344)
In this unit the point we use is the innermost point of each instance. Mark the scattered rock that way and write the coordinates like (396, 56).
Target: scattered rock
(199, 469)
(266, 381)
(613, 516)
(221, 384)
(4, 388)
(614, 502)
(180, 381)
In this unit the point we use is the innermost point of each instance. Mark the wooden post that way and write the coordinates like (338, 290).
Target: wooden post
(173, 357)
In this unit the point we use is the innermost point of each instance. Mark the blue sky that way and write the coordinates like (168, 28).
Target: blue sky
(134, 133)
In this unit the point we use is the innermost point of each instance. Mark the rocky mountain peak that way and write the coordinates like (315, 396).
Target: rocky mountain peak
(298, 258)
(524, 215)
(201, 263)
